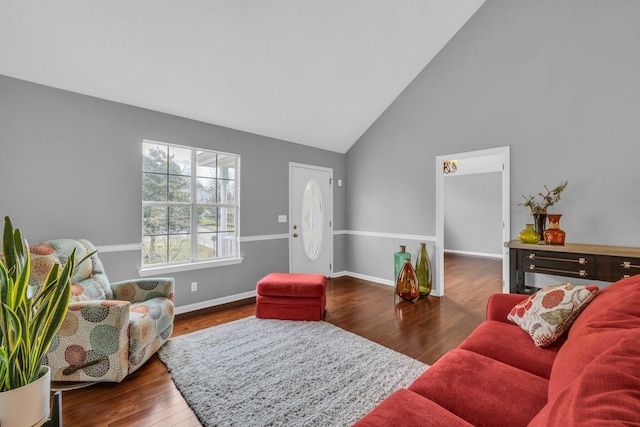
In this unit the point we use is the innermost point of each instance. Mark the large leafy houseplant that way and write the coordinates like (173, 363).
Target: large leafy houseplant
(30, 316)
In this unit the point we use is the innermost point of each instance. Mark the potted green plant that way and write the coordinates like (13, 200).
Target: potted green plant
(30, 317)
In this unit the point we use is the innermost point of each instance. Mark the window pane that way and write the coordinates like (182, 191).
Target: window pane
(154, 249)
(227, 219)
(179, 248)
(226, 192)
(312, 214)
(226, 166)
(231, 222)
(226, 244)
(179, 189)
(207, 245)
(207, 220)
(154, 157)
(179, 220)
(180, 161)
(154, 187)
(206, 189)
(155, 220)
(206, 164)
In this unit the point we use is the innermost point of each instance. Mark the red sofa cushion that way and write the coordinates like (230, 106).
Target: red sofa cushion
(607, 391)
(613, 315)
(481, 390)
(408, 409)
(292, 285)
(508, 343)
(615, 306)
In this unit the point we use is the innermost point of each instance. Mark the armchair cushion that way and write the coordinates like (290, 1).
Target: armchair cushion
(143, 289)
(89, 280)
(92, 330)
(149, 320)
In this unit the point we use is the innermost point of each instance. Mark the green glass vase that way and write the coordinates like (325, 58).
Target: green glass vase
(423, 271)
(529, 234)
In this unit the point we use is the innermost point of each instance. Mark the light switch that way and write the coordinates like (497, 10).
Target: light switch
(282, 218)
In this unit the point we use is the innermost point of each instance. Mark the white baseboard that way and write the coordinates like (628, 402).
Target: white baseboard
(478, 254)
(214, 302)
(364, 277)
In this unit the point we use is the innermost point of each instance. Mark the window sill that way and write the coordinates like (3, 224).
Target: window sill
(154, 271)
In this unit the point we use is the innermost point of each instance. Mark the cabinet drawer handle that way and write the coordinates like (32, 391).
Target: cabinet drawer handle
(627, 265)
(580, 273)
(581, 261)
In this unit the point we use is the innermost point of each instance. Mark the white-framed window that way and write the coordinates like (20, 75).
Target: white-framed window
(190, 204)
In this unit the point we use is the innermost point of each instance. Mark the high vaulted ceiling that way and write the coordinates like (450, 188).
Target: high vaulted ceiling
(313, 72)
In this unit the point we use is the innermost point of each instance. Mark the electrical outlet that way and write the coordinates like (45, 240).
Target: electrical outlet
(194, 286)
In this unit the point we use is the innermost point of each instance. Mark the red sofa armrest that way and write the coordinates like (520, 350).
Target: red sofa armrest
(499, 305)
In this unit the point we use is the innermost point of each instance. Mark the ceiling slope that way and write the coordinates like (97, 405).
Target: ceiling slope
(316, 72)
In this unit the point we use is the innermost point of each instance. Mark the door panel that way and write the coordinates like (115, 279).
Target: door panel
(311, 215)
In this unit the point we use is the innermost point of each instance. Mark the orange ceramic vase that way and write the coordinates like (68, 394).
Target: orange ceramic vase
(554, 235)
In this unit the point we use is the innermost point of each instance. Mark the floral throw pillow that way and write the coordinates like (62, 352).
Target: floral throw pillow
(548, 313)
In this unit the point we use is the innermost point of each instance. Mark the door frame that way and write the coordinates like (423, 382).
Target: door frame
(329, 211)
(501, 154)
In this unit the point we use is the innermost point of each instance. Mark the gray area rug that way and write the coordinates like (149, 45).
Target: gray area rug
(263, 372)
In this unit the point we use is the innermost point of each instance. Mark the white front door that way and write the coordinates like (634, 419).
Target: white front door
(310, 219)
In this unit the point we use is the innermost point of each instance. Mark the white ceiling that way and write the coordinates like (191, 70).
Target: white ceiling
(313, 72)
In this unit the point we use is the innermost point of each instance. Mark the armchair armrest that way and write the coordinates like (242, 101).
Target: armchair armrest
(93, 331)
(140, 290)
(499, 305)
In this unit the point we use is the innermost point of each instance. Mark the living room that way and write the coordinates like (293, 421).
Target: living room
(554, 81)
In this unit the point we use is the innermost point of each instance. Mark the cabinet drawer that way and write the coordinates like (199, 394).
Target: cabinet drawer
(623, 267)
(563, 264)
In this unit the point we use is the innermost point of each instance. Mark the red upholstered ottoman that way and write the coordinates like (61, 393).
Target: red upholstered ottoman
(291, 296)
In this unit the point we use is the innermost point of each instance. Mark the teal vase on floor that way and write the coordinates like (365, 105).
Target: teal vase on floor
(398, 261)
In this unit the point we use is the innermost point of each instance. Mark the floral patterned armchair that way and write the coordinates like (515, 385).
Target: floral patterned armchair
(110, 329)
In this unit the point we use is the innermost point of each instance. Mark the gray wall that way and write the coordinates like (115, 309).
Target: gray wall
(70, 166)
(473, 213)
(557, 81)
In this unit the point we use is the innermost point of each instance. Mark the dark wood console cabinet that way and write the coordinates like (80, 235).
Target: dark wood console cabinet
(595, 262)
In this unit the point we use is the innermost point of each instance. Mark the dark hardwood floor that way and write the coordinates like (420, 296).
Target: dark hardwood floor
(424, 330)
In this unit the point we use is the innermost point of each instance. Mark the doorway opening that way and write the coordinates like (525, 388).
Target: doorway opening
(471, 163)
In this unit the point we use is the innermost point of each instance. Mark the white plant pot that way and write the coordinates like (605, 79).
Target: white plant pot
(28, 405)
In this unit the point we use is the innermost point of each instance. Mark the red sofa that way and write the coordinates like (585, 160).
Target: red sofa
(498, 377)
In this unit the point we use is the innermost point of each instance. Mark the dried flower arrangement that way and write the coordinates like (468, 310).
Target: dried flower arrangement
(538, 204)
